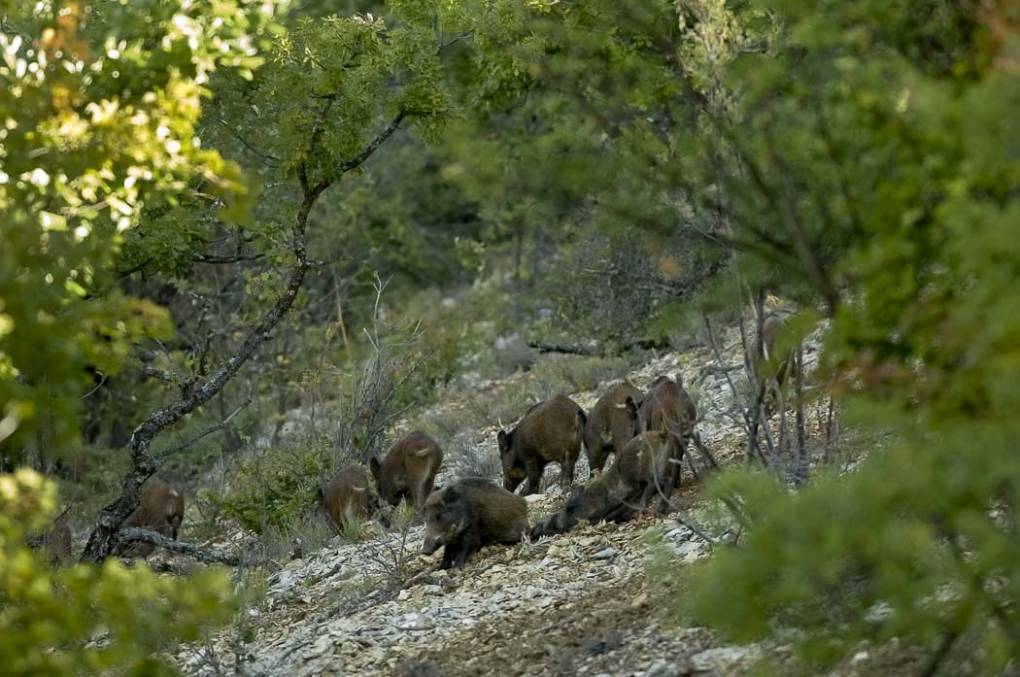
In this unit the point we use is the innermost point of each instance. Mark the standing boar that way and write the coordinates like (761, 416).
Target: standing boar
(57, 540)
(160, 509)
(468, 514)
(550, 431)
(408, 470)
(773, 362)
(667, 406)
(610, 424)
(639, 472)
(349, 496)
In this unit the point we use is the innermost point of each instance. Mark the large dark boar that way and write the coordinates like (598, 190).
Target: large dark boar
(349, 496)
(550, 431)
(667, 406)
(639, 472)
(468, 514)
(610, 424)
(408, 470)
(160, 509)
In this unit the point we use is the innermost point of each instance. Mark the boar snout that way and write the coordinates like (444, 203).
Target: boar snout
(430, 545)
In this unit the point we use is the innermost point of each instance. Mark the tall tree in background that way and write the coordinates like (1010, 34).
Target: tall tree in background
(334, 91)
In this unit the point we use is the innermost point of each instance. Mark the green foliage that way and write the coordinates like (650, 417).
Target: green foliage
(51, 617)
(98, 107)
(276, 485)
(868, 150)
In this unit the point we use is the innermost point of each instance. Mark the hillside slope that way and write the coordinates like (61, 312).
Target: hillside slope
(579, 603)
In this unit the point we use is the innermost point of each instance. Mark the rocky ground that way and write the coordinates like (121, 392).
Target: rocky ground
(579, 603)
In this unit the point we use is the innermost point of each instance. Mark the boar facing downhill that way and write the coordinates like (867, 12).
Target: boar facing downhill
(639, 472)
(348, 497)
(408, 470)
(468, 514)
(160, 509)
(550, 431)
(610, 424)
(667, 406)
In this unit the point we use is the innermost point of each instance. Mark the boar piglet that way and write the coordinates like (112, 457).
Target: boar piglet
(348, 497)
(160, 509)
(610, 425)
(468, 514)
(667, 406)
(408, 469)
(638, 473)
(550, 431)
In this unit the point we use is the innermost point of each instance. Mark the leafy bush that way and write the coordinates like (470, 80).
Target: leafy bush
(90, 619)
(900, 108)
(272, 487)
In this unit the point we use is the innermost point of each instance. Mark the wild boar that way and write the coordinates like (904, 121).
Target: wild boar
(57, 540)
(468, 514)
(160, 509)
(667, 406)
(639, 472)
(551, 431)
(770, 361)
(610, 424)
(408, 469)
(349, 496)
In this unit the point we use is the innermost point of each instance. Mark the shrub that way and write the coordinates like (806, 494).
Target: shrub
(274, 486)
(85, 618)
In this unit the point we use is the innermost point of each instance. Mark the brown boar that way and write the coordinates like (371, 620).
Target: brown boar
(610, 424)
(468, 514)
(57, 540)
(667, 406)
(160, 509)
(771, 359)
(349, 496)
(638, 473)
(408, 470)
(551, 431)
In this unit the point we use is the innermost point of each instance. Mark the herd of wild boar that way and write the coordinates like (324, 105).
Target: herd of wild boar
(645, 433)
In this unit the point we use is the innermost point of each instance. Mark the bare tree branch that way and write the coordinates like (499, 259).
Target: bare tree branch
(207, 555)
(200, 391)
(209, 431)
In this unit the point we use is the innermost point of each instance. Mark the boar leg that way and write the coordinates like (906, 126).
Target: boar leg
(456, 553)
(418, 495)
(567, 470)
(469, 544)
(534, 482)
(448, 550)
(619, 512)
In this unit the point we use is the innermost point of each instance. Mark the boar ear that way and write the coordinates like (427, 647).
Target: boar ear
(679, 378)
(575, 491)
(320, 497)
(631, 406)
(451, 494)
(373, 465)
(503, 440)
